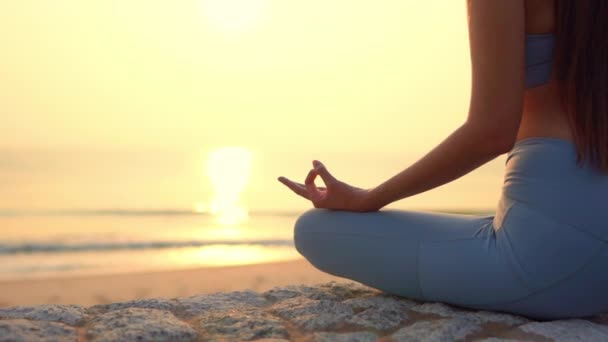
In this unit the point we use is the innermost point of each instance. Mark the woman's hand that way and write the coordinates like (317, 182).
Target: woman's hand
(336, 195)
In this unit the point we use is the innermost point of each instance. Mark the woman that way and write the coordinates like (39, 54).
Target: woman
(540, 94)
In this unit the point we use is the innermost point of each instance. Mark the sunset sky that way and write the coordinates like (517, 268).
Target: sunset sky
(118, 103)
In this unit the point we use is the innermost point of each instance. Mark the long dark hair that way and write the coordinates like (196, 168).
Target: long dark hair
(581, 70)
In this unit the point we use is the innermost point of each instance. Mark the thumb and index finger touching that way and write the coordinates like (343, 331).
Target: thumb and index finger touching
(321, 170)
(308, 189)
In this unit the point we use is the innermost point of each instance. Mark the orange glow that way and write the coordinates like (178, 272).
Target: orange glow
(119, 97)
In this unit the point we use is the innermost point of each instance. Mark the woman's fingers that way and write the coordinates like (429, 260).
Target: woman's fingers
(310, 185)
(323, 172)
(309, 190)
(310, 178)
(298, 188)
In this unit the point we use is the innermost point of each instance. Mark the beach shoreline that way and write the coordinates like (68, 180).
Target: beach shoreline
(102, 289)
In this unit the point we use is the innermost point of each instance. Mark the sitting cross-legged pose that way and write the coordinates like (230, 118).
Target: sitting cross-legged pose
(539, 94)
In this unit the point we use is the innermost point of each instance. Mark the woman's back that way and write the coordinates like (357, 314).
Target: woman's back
(542, 114)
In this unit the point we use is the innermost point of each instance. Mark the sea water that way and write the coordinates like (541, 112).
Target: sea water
(39, 239)
(67, 243)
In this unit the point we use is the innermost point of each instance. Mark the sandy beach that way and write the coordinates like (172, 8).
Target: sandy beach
(101, 289)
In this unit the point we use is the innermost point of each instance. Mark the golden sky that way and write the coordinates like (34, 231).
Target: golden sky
(365, 86)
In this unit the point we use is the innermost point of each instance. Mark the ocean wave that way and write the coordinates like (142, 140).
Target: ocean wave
(132, 212)
(37, 248)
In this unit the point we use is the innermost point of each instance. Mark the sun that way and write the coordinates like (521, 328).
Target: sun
(235, 15)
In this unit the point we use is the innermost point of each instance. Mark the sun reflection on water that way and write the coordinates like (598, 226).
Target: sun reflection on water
(226, 255)
(228, 169)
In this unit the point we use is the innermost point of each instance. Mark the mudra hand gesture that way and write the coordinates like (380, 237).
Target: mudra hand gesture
(336, 194)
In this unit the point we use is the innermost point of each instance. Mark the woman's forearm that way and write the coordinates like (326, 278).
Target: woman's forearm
(467, 148)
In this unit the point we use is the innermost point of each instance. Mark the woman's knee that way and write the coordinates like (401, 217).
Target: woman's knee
(311, 220)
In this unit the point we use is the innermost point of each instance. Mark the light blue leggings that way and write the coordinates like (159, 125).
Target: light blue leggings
(544, 254)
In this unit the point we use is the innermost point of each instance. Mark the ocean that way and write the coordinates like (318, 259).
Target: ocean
(39, 238)
(39, 244)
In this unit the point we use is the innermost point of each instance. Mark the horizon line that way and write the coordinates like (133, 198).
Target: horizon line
(191, 212)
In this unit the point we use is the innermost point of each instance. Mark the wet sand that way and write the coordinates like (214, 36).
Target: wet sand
(101, 289)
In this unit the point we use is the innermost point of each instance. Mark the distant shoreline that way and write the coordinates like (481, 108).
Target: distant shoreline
(186, 212)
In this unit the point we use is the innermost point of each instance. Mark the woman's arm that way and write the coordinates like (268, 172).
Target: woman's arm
(497, 43)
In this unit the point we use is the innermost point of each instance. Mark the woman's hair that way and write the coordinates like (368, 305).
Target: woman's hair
(581, 69)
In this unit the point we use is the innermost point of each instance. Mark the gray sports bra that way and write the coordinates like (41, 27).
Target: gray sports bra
(539, 56)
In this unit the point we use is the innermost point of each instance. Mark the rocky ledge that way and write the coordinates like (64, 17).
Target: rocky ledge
(324, 312)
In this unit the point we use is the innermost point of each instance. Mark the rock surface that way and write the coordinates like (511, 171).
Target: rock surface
(68, 314)
(137, 324)
(345, 311)
(17, 330)
(447, 329)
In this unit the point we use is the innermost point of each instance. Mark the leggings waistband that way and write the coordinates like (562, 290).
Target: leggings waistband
(543, 140)
(566, 149)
